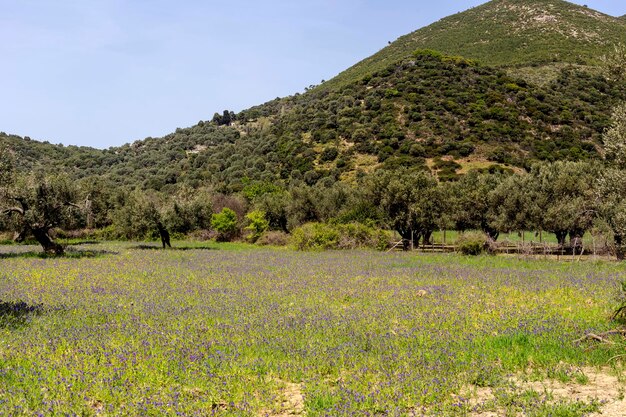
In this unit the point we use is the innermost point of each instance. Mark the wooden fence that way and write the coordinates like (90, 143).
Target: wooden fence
(519, 248)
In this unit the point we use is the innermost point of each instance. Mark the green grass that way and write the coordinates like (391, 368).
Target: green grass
(219, 329)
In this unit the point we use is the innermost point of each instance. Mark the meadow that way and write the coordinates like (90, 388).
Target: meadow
(233, 330)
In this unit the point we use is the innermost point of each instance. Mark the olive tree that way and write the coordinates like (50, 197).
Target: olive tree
(472, 202)
(411, 201)
(36, 203)
(140, 216)
(562, 198)
(611, 184)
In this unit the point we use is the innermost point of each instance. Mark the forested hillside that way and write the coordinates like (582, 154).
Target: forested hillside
(427, 111)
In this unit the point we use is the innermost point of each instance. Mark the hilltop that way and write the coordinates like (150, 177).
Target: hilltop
(509, 33)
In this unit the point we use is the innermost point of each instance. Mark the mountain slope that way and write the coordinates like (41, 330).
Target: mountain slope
(427, 111)
(507, 33)
(401, 107)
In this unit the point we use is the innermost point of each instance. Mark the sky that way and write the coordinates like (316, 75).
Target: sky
(102, 73)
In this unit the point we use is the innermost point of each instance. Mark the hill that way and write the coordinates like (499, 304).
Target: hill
(511, 33)
(429, 111)
(423, 109)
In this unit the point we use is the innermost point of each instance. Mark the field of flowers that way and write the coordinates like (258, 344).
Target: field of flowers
(120, 329)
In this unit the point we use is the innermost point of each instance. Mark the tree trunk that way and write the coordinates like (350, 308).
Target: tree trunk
(560, 237)
(619, 248)
(20, 236)
(576, 241)
(48, 245)
(165, 235)
(492, 233)
(406, 236)
(426, 237)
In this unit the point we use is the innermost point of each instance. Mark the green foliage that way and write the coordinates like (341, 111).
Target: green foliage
(256, 189)
(443, 107)
(615, 138)
(472, 243)
(257, 224)
(611, 184)
(190, 210)
(614, 64)
(137, 217)
(226, 224)
(316, 236)
(412, 202)
(273, 238)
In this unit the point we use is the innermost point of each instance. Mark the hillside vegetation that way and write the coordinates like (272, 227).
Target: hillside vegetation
(428, 110)
(507, 33)
(397, 108)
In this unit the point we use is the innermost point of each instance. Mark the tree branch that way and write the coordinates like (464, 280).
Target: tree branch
(13, 210)
(22, 202)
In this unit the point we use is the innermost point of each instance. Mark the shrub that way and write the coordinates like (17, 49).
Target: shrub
(316, 236)
(203, 235)
(472, 243)
(329, 154)
(257, 224)
(273, 238)
(313, 236)
(225, 223)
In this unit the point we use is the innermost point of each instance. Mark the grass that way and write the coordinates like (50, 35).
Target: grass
(220, 331)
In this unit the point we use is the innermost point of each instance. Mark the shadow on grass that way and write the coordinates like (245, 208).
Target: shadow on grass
(14, 314)
(178, 248)
(70, 253)
(84, 242)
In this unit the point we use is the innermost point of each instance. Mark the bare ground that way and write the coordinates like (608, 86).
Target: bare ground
(290, 402)
(601, 385)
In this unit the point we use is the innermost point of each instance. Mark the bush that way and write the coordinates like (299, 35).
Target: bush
(313, 236)
(357, 235)
(108, 233)
(316, 236)
(203, 235)
(257, 224)
(225, 224)
(473, 243)
(273, 238)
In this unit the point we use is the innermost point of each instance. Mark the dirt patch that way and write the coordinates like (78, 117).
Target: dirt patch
(590, 384)
(290, 402)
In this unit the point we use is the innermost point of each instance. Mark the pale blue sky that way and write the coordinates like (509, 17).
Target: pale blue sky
(107, 72)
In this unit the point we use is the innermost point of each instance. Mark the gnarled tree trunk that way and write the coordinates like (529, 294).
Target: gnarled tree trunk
(165, 235)
(44, 239)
